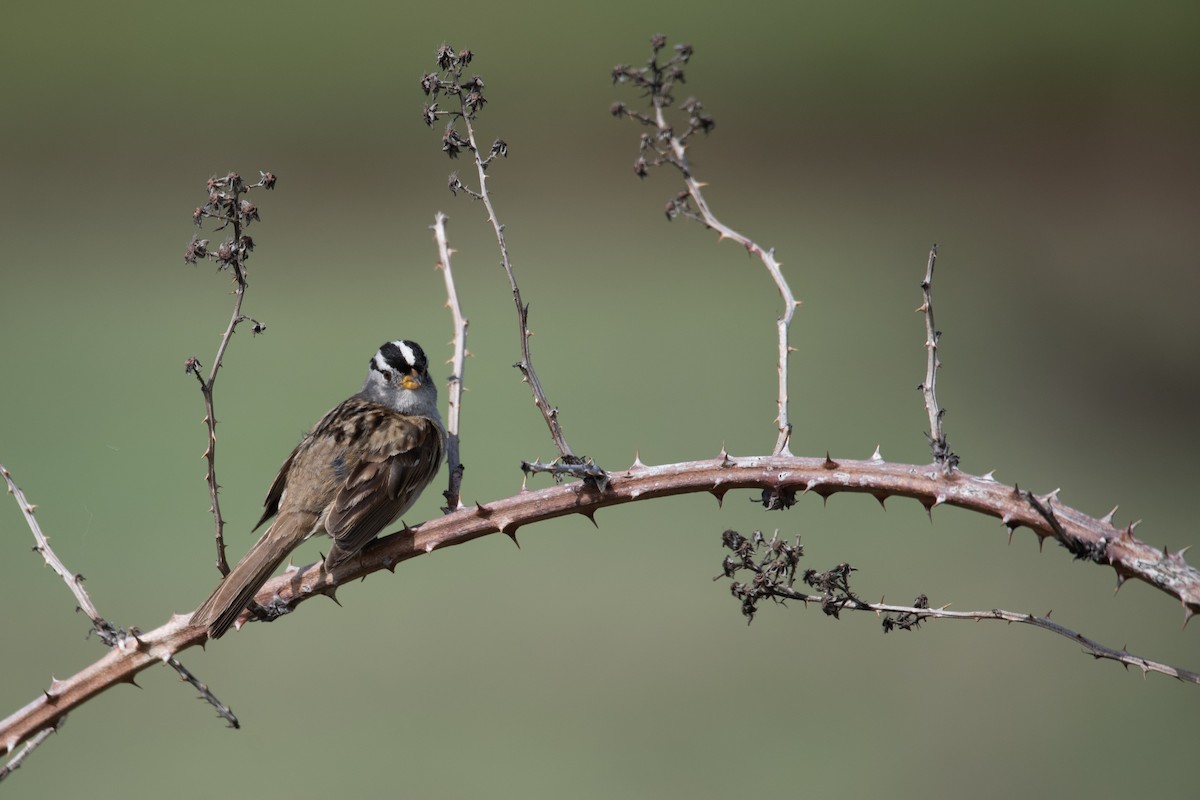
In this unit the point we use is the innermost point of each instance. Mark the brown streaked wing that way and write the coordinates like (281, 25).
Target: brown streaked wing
(386, 482)
(323, 426)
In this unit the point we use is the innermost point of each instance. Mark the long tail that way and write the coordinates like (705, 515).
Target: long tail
(235, 592)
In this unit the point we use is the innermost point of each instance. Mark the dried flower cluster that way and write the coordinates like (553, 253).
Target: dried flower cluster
(449, 81)
(225, 203)
(657, 80)
(775, 565)
(774, 569)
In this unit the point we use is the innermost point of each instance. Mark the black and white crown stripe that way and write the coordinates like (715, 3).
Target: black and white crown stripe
(400, 356)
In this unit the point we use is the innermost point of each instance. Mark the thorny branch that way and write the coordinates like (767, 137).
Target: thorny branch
(781, 477)
(942, 455)
(1096, 540)
(453, 493)
(118, 640)
(225, 203)
(471, 101)
(223, 711)
(774, 562)
(108, 633)
(665, 146)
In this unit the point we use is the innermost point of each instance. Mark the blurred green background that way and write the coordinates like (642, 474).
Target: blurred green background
(1050, 149)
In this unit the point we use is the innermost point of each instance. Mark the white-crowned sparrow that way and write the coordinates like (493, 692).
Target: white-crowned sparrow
(360, 467)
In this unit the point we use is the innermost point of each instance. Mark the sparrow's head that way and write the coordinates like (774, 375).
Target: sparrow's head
(399, 378)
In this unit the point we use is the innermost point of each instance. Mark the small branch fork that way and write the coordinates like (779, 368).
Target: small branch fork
(938, 443)
(119, 641)
(453, 493)
(471, 101)
(666, 147)
(774, 564)
(225, 203)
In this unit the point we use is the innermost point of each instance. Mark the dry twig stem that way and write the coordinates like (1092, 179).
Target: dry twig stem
(207, 388)
(224, 711)
(658, 81)
(938, 443)
(1090, 646)
(74, 581)
(525, 365)
(453, 493)
(1095, 540)
(766, 256)
(225, 203)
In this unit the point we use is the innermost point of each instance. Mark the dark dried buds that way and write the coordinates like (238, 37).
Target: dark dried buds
(620, 72)
(907, 621)
(197, 248)
(475, 100)
(430, 84)
(452, 143)
(773, 563)
(249, 212)
(680, 205)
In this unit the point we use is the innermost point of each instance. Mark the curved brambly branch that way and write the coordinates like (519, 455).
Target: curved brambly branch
(1087, 538)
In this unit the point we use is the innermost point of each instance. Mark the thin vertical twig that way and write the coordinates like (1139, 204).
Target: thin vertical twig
(453, 493)
(669, 147)
(767, 257)
(938, 443)
(226, 204)
(525, 365)
(471, 99)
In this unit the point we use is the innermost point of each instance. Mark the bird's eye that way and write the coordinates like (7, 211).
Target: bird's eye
(387, 374)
